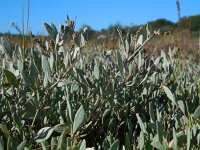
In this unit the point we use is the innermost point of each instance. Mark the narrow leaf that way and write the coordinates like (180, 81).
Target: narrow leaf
(127, 142)
(188, 138)
(120, 62)
(174, 139)
(141, 140)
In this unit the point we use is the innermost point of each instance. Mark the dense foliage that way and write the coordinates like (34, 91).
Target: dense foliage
(60, 95)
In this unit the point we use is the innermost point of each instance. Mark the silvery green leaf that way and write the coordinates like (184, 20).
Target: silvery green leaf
(148, 32)
(5, 47)
(51, 29)
(115, 145)
(181, 106)
(151, 112)
(51, 61)
(36, 60)
(33, 75)
(141, 140)
(169, 94)
(74, 52)
(196, 113)
(79, 118)
(156, 143)
(141, 124)
(22, 145)
(83, 145)
(43, 134)
(90, 148)
(156, 62)
(46, 69)
(198, 139)
(54, 142)
(61, 128)
(61, 50)
(96, 72)
(139, 60)
(58, 39)
(84, 37)
(189, 134)
(120, 63)
(174, 140)
(62, 142)
(139, 41)
(62, 83)
(194, 129)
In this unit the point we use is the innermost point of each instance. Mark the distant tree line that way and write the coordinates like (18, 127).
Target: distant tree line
(191, 23)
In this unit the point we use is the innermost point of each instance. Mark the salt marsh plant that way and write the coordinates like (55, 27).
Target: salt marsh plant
(65, 96)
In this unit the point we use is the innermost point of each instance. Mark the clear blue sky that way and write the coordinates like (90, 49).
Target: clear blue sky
(96, 13)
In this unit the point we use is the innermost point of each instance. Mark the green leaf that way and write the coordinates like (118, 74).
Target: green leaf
(160, 131)
(62, 142)
(45, 145)
(141, 124)
(181, 106)
(1, 143)
(115, 145)
(36, 60)
(127, 142)
(139, 41)
(188, 138)
(45, 65)
(139, 60)
(5, 46)
(69, 109)
(54, 142)
(17, 120)
(51, 30)
(141, 140)
(61, 128)
(120, 63)
(46, 70)
(174, 139)
(96, 72)
(78, 119)
(9, 143)
(169, 94)
(22, 145)
(5, 131)
(43, 134)
(151, 112)
(83, 145)
(196, 113)
(156, 143)
(33, 76)
(51, 61)
(11, 78)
